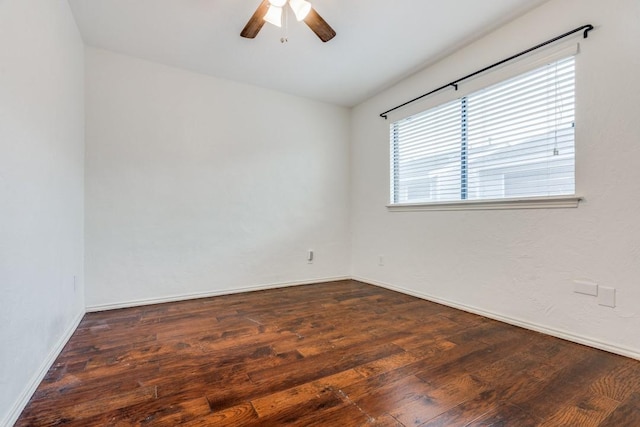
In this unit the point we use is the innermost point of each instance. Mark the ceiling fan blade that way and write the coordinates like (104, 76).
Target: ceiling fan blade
(319, 26)
(256, 21)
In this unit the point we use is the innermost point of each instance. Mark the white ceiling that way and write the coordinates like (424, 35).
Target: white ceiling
(378, 42)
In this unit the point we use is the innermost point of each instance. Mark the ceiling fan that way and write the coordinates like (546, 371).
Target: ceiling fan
(272, 10)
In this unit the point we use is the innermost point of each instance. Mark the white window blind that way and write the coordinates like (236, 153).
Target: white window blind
(514, 139)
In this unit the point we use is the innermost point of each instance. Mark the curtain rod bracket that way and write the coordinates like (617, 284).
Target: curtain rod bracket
(585, 33)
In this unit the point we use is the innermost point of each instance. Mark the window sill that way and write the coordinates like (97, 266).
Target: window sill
(493, 204)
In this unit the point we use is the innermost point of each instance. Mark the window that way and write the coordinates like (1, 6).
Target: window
(511, 140)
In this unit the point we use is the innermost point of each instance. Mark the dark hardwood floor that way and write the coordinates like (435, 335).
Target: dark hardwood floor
(334, 354)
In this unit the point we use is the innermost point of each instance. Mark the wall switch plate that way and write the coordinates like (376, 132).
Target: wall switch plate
(607, 297)
(310, 256)
(584, 287)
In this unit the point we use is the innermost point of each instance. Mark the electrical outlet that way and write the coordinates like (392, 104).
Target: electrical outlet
(380, 260)
(607, 297)
(310, 256)
(75, 284)
(586, 288)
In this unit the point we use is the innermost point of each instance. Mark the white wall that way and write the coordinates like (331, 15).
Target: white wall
(519, 264)
(197, 185)
(41, 191)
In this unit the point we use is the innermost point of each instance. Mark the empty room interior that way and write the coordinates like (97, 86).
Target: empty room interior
(280, 212)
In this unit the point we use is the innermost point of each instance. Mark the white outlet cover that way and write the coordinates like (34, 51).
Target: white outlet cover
(585, 287)
(607, 297)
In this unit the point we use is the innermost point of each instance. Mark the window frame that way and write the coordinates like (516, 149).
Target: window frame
(526, 202)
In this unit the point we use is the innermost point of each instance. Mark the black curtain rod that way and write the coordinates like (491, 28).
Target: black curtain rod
(584, 28)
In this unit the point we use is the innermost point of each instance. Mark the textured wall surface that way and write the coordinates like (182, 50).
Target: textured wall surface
(201, 185)
(520, 264)
(41, 190)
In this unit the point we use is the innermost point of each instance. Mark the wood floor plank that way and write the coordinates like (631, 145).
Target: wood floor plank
(516, 373)
(386, 364)
(565, 385)
(465, 412)
(618, 383)
(438, 401)
(159, 412)
(325, 402)
(275, 402)
(506, 415)
(242, 414)
(318, 366)
(587, 411)
(384, 421)
(383, 399)
(626, 414)
(274, 379)
(331, 354)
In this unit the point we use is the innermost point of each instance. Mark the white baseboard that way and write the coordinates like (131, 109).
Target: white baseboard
(32, 385)
(558, 333)
(184, 297)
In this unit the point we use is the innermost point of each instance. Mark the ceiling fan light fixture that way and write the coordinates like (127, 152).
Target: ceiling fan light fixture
(270, 11)
(274, 16)
(301, 8)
